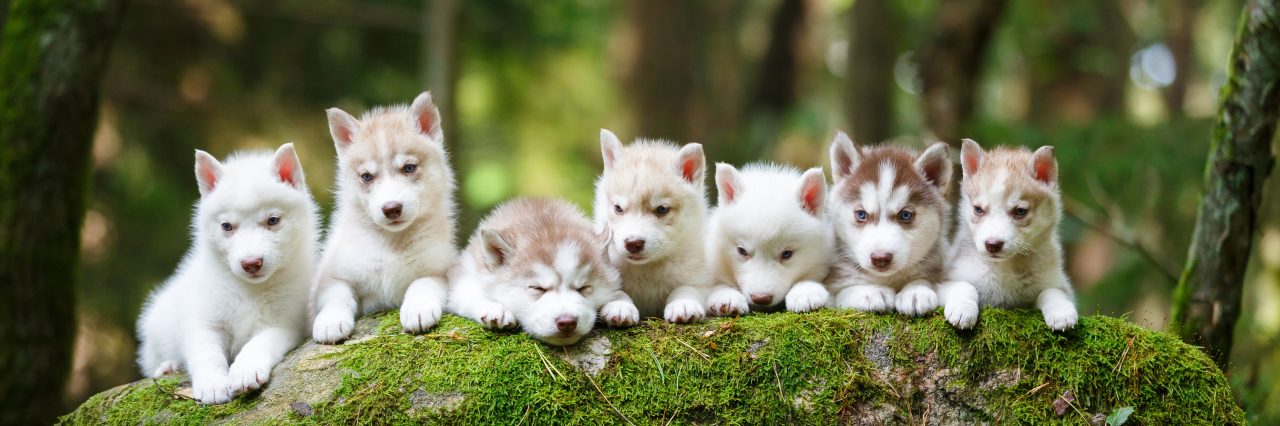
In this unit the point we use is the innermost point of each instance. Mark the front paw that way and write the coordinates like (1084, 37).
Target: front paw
(962, 314)
(496, 317)
(867, 298)
(805, 298)
(620, 313)
(419, 317)
(727, 304)
(332, 326)
(683, 311)
(248, 375)
(211, 390)
(916, 300)
(1060, 317)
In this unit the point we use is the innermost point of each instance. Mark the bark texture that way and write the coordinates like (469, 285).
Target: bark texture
(951, 62)
(53, 55)
(869, 71)
(1207, 300)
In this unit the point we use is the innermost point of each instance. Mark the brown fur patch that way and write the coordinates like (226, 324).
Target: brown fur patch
(873, 159)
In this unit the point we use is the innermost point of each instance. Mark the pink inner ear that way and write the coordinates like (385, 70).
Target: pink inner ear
(210, 178)
(727, 191)
(1044, 170)
(688, 169)
(970, 163)
(425, 122)
(810, 198)
(286, 172)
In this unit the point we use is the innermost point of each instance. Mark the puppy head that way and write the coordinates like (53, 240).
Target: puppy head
(553, 287)
(252, 209)
(1010, 198)
(771, 228)
(651, 195)
(392, 163)
(888, 203)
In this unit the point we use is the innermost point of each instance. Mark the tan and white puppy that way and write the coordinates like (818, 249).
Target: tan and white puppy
(768, 240)
(391, 237)
(652, 196)
(890, 215)
(1007, 252)
(539, 264)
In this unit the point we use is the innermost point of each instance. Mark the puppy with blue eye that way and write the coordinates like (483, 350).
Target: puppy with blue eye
(890, 215)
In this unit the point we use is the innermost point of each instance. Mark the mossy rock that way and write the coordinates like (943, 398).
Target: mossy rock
(783, 368)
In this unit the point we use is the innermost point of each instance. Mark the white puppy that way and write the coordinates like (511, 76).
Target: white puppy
(391, 238)
(768, 240)
(1007, 252)
(240, 293)
(537, 263)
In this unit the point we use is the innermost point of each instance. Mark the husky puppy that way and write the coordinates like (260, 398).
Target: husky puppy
(538, 264)
(391, 237)
(1007, 251)
(653, 198)
(768, 240)
(890, 217)
(239, 295)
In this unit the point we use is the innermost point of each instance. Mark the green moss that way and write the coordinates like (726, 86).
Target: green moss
(773, 368)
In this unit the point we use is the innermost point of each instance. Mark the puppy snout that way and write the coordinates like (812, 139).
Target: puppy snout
(392, 210)
(881, 259)
(566, 323)
(994, 246)
(251, 264)
(761, 298)
(634, 245)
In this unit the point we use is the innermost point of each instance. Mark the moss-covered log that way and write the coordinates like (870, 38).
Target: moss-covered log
(824, 367)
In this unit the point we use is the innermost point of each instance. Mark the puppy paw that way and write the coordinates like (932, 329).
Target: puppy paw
(620, 313)
(332, 326)
(683, 311)
(167, 367)
(962, 314)
(248, 375)
(419, 317)
(496, 317)
(1060, 317)
(867, 298)
(211, 390)
(916, 300)
(807, 297)
(727, 303)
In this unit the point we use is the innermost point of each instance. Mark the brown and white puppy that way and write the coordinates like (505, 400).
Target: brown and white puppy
(1007, 252)
(539, 264)
(890, 215)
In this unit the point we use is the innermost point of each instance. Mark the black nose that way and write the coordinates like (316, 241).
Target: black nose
(994, 246)
(634, 245)
(251, 265)
(392, 210)
(881, 259)
(566, 323)
(761, 298)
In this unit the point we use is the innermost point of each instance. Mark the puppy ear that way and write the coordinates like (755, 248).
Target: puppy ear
(813, 191)
(343, 128)
(496, 249)
(603, 238)
(970, 157)
(1044, 167)
(728, 184)
(935, 165)
(692, 164)
(610, 148)
(844, 156)
(288, 167)
(208, 171)
(426, 117)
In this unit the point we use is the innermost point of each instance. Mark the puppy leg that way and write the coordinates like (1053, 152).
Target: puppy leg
(917, 298)
(336, 317)
(468, 299)
(960, 303)
(807, 296)
(866, 298)
(726, 301)
(1058, 309)
(252, 367)
(423, 302)
(620, 312)
(207, 361)
(684, 305)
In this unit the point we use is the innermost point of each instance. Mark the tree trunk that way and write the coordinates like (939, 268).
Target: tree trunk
(663, 83)
(869, 71)
(777, 81)
(1207, 300)
(440, 76)
(54, 54)
(950, 63)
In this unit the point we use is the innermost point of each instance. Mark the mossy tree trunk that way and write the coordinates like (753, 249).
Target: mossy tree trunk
(1207, 300)
(951, 61)
(53, 54)
(869, 70)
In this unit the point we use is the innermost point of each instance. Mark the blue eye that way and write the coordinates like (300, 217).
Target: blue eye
(860, 215)
(410, 168)
(1020, 212)
(226, 226)
(786, 254)
(661, 210)
(978, 210)
(906, 216)
(273, 220)
(366, 177)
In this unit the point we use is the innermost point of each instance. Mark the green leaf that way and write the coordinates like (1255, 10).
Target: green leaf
(1119, 416)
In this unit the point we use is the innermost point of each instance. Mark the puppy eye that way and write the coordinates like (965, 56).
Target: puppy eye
(410, 168)
(537, 290)
(586, 289)
(273, 221)
(742, 251)
(661, 211)
(786, 254)
(226, 226)
(1020, 212)
(366, 177)
(978, 211)
(860, 215)
(906, 216)
(617, 209)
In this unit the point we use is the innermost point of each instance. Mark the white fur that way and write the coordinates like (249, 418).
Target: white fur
(766, 215)
(226, 326)
(372, 262)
